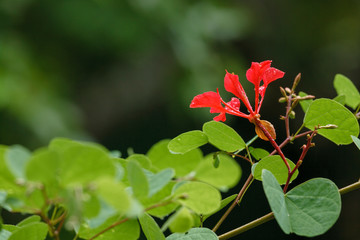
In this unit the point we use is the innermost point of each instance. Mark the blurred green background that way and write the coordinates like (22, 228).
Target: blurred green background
(123, 73)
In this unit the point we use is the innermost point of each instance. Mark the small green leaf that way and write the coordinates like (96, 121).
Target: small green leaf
(309, 209)
(276, 166)
(16, 159)
(305, 104)
(31, 231)
(159, 180)
(183, 164)
(258, 153)
(199, 197)
(181, 221)
(344, 86)
(150, 228)
(187, 141)
(356, 141)
(340, 99)
(143, 160)
(31, 219)
(223, 137)
(194, 234)
(226, 176)
(137, 179)
(325, 111)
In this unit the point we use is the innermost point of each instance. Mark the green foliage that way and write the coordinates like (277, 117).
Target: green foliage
(345, 87)
(223, 137)
(258, 153)
(356, 141)
(150, 228)
(309, 209)
(187, 141)
(194, 234)
(276, 166)
(322, 112)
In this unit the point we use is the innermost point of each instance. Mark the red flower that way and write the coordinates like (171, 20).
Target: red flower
(260, 74)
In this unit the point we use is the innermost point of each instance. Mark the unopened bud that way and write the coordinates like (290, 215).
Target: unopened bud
(292, 114)
(282, 100)
(307, 97)
(296, 81)
(282, 117)
(282, 90)
(295, 103)
(329, 126)
(288, 90)
(312, 145)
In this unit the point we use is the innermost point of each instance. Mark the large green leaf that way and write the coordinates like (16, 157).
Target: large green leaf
(199, 197)
(323, 111)
(150, 228)
(223, 137)
(138, 180)
(225, 176)
(276, 166)
(28, 220)
(309, 209)
(31, 231)
(305, 104)
(7, 179)
(187, 141)
(142, 159)
(194, 234)
(183, 164)
(345, 86)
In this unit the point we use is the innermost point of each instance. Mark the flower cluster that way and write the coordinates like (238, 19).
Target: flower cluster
(260, 74)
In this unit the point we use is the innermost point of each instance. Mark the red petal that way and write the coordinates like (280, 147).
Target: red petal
(221, 117)
(255, 73)
(235, 103)
(271, 74)
(207, 99)
(262, 90)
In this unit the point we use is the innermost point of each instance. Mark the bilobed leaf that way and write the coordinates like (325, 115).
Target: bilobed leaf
(225, 176)
(223, 137)
(199, 197)
(150, 228)
(16, 158)
(138, 180)
(309, 209)
(356, 141)
(276, 166)
(194, 234)
(187, 141)
(305, 104)
(344, 86)
(183, 164)
(31, 231)
(325, 111)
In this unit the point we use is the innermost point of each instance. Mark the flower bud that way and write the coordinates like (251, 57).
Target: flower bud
(296, 81)
(269, 127)
(288, 90)
(282, 90)
(282, 100)
(292, 114)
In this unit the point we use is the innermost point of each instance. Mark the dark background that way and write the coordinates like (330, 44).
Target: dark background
(123, 73)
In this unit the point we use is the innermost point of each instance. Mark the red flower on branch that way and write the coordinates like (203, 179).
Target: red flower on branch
(260, 74)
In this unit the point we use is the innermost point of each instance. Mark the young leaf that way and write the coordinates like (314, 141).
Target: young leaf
(276, 166)
(258, 153)
(137, 179)
(309, 209)
(150, 228)
(356, 141)
(199, 197)
(227, 174)
(183, 164)
(187, 141)
(323, 111)
(223, 137)
(344, 86)
(194, 234)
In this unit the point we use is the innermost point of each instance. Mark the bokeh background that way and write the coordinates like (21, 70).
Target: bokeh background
(123, 73)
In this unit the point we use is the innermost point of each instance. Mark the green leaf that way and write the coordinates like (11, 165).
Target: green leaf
(194, 234)
(31, 231)
(159, 180)
(223, 137)
(28, 220)
(258, 153)
(7, 179)
(137, 179)
(340, 99)
(223, 204)
(345, 86)
(150, 228)
(181, 221)
(143, 160)
(183, 164)
(187, 141)
(227, 174)
(114, 193)
(356, 141)
(16, 158)
(276, 166)
(309, 209)
(128, 230)
(85, 163)
(305, 104)
(199, 197)
(325, 111)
